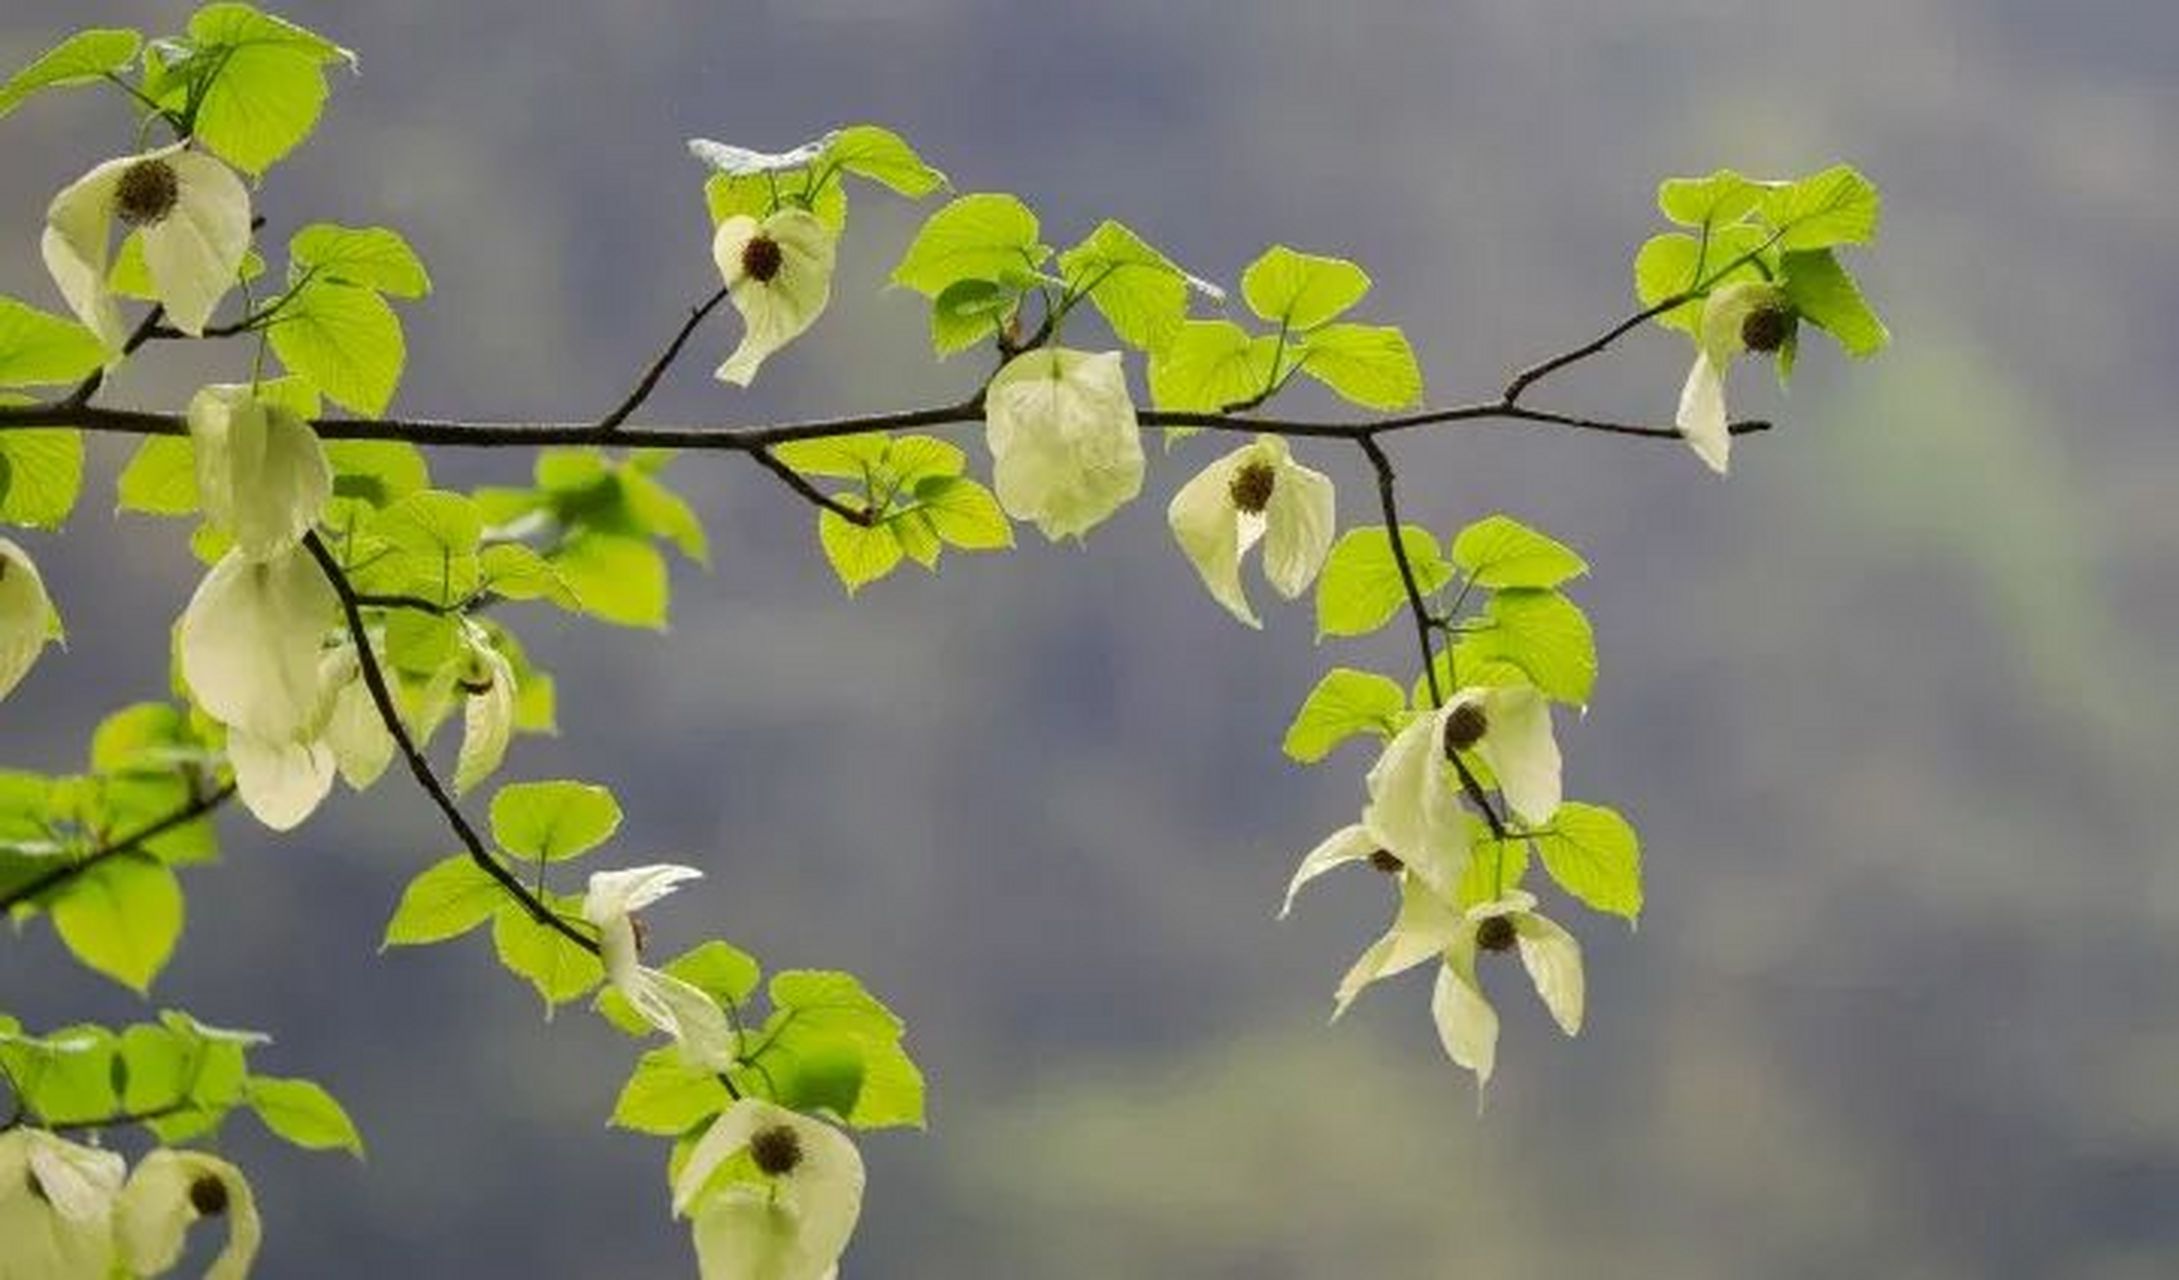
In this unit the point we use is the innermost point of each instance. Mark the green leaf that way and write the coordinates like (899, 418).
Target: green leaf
(517, 572)
(720, 970)
(1675, 263)
(1361, 588)
(373, 257)
(122, 917)
(853, 457)
(981, 237)
(346, 339)
(560, 970)
(1371, 365)
(1499, 551)
(910, 460)
(1301, 290)
(1541, 632)
(618, 580)
(830, 1043)
(1210, 364)
(1826, 296)
(159, 1065)
(41, 472)
(303, 1113)
(1139, 291)
(262, 85)
(1836, 206)
(65, 1077)
(553, 821)
(879, 154)
(446, 900)
(1495, 867)
(87, 57)
(423, 545)
(665, 514)
(859, 554)
(753, 196)
(968, 311)
(964, 514)
(1722, 197)
(161, 478)
(38, 349)
(1344, 703)
(666, 1096)
(375, 473)
(1595, 857)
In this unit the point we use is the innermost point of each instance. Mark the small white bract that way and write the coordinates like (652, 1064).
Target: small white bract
(1255, 493)
(26, 615)
(171, 1191)
(1702, 419)
(793, 1218)
(1414, 807)
(1516, 742)
(193, 214)
(779, 274)
(680, 1009)
(56, 1207)
(261, 473)
(1065, 445)
(1467, 1025)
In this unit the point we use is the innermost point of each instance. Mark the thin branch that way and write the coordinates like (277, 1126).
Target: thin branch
(1388, 500)
(1535, 373)
(188, 813)
(794, 480)
(649, 381)
(374, 680)
(146, 330)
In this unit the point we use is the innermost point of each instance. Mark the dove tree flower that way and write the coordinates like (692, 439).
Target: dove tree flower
(193, 215)
(1509, 726)
(262, 474)
(56, 1207)
(793, 1218)
(1414, 808)
(1466, 1022)
(26, 615)
(1747, 315)
(1257, 493)
(169, 1192)
(1065, 445)
(678, 1008)
(778, 273)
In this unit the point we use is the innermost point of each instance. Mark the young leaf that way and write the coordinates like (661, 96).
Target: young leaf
(1360, 587)
(1301, 290)
(260, 83)
(964, 514)
(1826, 296)
(859, 554)
(1344, 703)
(38, 349)
(445, 900)
(1371, 365)
(1836, 206)
(87, 57)
(1499, 551)
(666, 1096)
(1595, 856)
(41, 473)
(560, 970)
(883, 156)
(553, 821)
(619, 580)
(122, 917)
(1210, 364)
(346, 339)
(303, 1113)
(977, 237)
(373, 257)
(1714, 201)
(1139, 291)
(1541, 632)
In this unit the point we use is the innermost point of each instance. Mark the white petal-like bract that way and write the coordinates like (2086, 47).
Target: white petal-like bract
(1065, 445)
(281, 783)
(779, 290)
(56, 1207)
(1348, 844)
(26, 615)
(792, 1225)
(159, 1205)
(250, 642)
(1519, 747)
(1414, 804)
(1701, 418)
(261, 472)
(193, 248)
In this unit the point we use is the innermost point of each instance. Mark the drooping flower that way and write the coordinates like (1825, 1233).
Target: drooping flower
(1467, 1025)
(1747, 315)
(261, 473)
(250, 641)
(778, 273)
(1425, 926)
(680, 1009)
(487, 684)
(1414, 808)
(56, 1207)
(171, 1191)
(792, 1220)
(1255, 493)
(280, 782)
(1065, 445)
(353, 732)
(193, 214)
(1509, 726)
(26, 615)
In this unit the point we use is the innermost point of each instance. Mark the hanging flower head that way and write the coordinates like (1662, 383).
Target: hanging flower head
(1509, 726)
(792, 1220)
(1747, 315)
(1256, 493)
(1065, 446)
(1467, 1025)
(171, 1191)
(193, 214)
(261, 472)
(26, 615)
(1414, 809)
(779, 274)
(56, 1207)
(680, 1009)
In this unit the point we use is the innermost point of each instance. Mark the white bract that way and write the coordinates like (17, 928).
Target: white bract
(1255, 493)
(193, 215)
(742, 162)
(1425, 926)
(792, 1219)
(1702, 418)
(262, 475)
(26, 615)
(1414, 808)
(488, 689)
(353, 731)
(1514, 738)
(171, 1191)
(56, 1207)
(1467, 1025)
(1065, 445)
(680, 1009)
(779, 274)
(250, 641)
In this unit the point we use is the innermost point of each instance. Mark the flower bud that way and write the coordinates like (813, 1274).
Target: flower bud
(776, 1150)
(1465, 727)
(1495, 934)
(1252, 486)
(146, 193)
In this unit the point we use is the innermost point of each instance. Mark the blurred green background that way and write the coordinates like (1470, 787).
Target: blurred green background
(1893, 708)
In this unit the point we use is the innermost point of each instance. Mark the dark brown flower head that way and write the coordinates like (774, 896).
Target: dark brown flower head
(1765, 328)
(1495, 934)
(1252, 486)
(641, 931)
(760, 259)
(208, 1195)
(776, 1150)
(146, 193)
(1386, 861)
(1465, 727)
(35, 1187)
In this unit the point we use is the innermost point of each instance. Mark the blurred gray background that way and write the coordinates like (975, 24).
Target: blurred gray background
(1892, 708)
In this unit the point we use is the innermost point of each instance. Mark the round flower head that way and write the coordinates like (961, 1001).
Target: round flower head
(193, 215)
(26, 615)
(792, 1220)
(779, 274)
(261, 472)
(1728, 316)
(1065, 446)
(680, 1009)
(56, 1207)
(171, 1191)
(1255, 493)
(1467, 1025)
(1509, 726)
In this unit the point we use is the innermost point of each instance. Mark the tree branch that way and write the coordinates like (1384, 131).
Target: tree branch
(1388, 500)
(374, 680)
(188, 813)
(649, 381)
